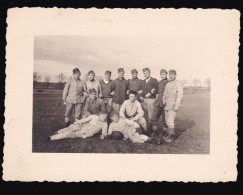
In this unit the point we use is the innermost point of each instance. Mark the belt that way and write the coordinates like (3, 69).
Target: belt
(130, 116)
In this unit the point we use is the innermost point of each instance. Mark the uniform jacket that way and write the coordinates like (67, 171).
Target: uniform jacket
(73, 91)
(125, 126)
(131, 109)
(147, 87)
(106, 89)
(172, 95)
(95, 85)
(161, 88)
(135, 84)
(119, 87)
(96, 107)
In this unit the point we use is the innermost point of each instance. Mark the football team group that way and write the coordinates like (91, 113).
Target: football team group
(120, 108)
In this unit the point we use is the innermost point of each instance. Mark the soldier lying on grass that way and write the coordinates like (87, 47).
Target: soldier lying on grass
(84, 128)
(129, 129)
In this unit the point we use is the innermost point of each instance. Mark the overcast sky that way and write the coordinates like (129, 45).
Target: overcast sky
(191, 56)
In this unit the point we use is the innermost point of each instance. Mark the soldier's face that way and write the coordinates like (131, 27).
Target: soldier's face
(163, 75)
(77, 75)
(134, 75)
(172, 77)
(115, 118)
(107, 77)
(146, 74)
(92, 96)
(91, 77)
(121, 74)
(132, 97)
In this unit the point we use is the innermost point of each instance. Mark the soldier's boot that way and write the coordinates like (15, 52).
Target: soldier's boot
(170, 138)
(154, 140)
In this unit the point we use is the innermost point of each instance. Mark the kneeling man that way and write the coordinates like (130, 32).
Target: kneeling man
(84, 128)
(93, 105)
(131, 109)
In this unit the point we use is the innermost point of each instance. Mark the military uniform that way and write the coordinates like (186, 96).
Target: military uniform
(159, 106)
(91, 126)
(133, 110)
(135, 85)
(172, 97)
(128, 129)
(73, 95)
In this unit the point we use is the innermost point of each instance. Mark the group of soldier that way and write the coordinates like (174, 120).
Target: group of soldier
(120, 108)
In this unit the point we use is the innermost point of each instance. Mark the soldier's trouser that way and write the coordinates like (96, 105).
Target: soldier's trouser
(137, 138)
(73, 131)
(170, 120)
(69, 109)
(116, 107)
(157, 112)
(148, 106)
(108, 104)
(143, 123)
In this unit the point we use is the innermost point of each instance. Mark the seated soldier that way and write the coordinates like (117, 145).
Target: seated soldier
(131, 109)
(128, 129)
(93, 105)
(84, 128)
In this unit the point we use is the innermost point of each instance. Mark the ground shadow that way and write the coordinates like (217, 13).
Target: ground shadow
(182, 126)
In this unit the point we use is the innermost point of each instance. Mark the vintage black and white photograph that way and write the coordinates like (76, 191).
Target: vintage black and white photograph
(121, 94)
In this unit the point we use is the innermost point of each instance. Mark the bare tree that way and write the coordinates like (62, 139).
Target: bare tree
(208, 82)
(47, 80)
(36, 78)
(196, 82)
(61, 79)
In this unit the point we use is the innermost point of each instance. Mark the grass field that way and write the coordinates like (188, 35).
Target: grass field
(192, 128)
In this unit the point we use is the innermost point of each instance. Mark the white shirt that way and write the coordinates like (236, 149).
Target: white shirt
(147, 80)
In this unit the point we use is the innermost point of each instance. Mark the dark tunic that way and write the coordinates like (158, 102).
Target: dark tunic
(162, 84)
(106, 89)
(119, 87)
(147, 87)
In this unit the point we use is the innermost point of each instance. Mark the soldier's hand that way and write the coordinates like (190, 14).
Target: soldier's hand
(175, 108)
(147, 95)
(142, 99)
(64, 102)
(85, 94)
(102, 137)
(140, 91)
(112, 93)
(153, 90)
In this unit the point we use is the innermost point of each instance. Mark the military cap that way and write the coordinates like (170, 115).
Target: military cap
(172, 72)
(146, 69)
(108, 72)
(76, 70)
(163, 71)
(120, 70)
(134, 71)
(91, 72)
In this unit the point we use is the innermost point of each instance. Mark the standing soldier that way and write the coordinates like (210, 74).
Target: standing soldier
(135, 83)
(158, 105)
(120, 89)
(73, 96)
(172, 98)
(106, 90)
(149, 90)
(91, 83)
